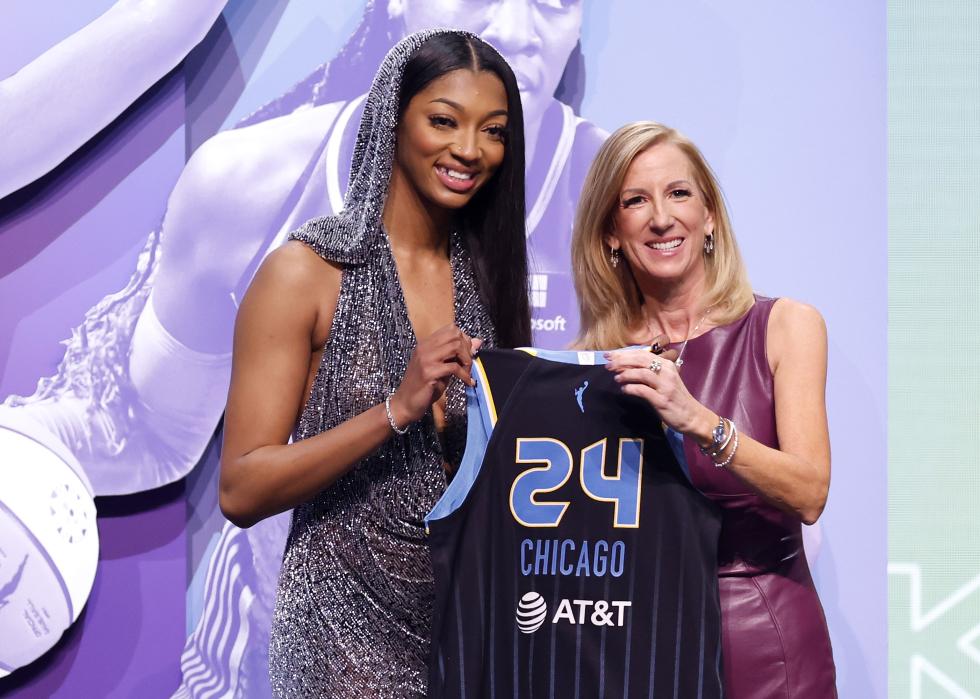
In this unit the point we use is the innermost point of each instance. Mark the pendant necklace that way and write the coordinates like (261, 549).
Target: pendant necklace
(679, 362)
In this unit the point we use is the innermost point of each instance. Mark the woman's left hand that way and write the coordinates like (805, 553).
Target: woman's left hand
(656, 379)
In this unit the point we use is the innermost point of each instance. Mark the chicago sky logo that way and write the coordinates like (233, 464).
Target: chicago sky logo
(531, 612)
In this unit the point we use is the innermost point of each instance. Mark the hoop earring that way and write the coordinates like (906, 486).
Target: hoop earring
(709, 244)
(613, 257)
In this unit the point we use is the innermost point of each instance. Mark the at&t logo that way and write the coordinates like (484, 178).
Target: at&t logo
(532, 612)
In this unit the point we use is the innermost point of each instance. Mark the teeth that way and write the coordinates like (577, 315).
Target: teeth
(667, 246)
(462, 176)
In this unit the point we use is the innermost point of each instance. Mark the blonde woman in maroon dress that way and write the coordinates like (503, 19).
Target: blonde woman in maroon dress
(741, 376)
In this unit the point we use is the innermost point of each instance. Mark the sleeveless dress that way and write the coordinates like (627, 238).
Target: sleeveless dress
(352, 616)
(774, 635)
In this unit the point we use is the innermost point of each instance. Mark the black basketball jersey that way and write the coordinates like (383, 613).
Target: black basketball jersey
(572, 555)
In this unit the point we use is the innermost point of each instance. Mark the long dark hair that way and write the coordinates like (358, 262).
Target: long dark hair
(493, 222)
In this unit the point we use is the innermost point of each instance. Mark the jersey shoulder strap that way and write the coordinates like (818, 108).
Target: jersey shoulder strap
(496, 372)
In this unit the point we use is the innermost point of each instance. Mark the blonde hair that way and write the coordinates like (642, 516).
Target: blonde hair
(609, 298)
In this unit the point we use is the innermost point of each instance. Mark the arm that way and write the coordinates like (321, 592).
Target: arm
(279, 326)
(795, 477)
(161, 348)
(64, 97)
(261, 474)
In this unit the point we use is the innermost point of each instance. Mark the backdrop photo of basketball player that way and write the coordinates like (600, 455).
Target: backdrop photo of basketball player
(47, 514)
(656, 261)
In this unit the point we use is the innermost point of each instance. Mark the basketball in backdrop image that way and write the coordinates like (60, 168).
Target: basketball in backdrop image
(49, 545)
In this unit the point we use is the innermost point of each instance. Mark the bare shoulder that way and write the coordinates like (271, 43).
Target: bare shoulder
(295, 269)
(789, 314)
(796, 329)
(295, 283)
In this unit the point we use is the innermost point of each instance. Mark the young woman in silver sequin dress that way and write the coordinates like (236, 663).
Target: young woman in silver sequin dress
(355, 339)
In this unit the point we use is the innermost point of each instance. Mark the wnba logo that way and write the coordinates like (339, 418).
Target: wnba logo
(531, 612)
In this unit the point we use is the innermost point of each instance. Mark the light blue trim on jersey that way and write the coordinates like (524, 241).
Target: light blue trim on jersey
(479, 426)
(583, 357)
(674, 439)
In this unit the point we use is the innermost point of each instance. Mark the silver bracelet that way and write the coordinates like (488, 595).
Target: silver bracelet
(731, 456)
(391, 418)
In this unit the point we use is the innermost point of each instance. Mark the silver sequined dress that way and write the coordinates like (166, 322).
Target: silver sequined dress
(355, 592)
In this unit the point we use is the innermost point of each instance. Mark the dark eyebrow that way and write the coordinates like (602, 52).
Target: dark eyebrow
(458, 107)
(455, 105)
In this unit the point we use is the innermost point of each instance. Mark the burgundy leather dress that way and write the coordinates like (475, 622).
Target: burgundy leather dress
(775, 642)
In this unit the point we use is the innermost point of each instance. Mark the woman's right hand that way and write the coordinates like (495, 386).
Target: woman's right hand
(445, 353)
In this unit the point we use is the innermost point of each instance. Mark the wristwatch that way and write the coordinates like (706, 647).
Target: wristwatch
(717, 439)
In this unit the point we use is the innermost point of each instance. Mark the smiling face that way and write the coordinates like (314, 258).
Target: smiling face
(535, 36)
(660, 220)
(451, 137)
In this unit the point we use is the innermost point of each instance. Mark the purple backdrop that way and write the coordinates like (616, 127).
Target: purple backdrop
(792, 128)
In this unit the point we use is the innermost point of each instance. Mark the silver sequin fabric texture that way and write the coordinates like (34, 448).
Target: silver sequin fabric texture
(355, 592)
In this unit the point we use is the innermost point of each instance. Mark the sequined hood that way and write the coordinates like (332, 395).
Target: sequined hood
(346, 237)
